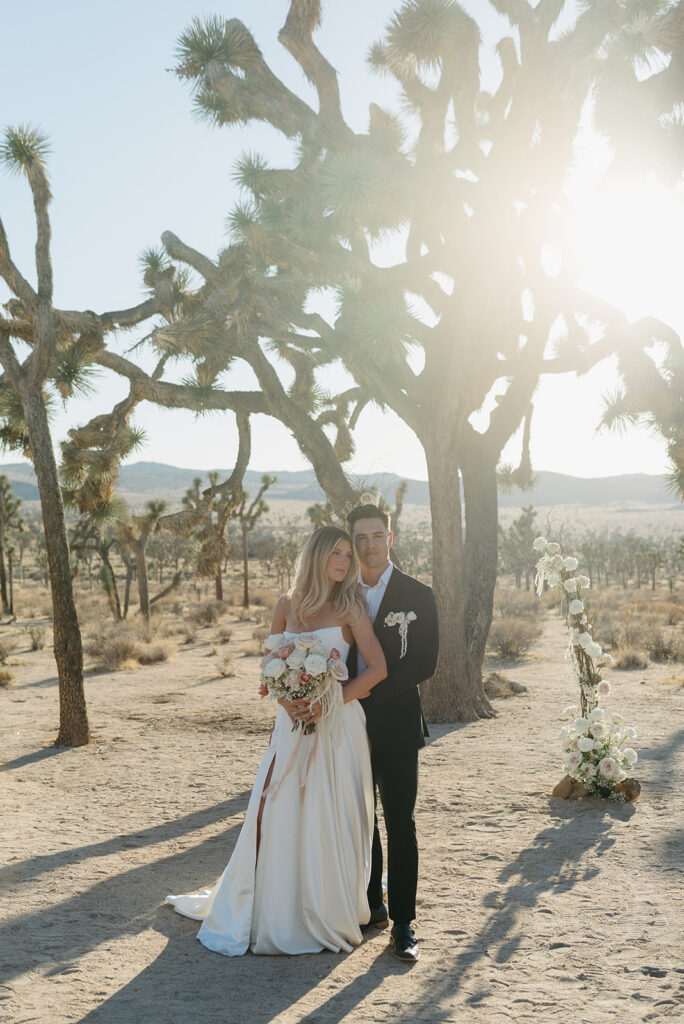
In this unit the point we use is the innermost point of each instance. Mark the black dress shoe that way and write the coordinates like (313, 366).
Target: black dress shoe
(379, 918)
(403, 943)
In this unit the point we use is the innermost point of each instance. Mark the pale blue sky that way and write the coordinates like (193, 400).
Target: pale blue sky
(129, 161)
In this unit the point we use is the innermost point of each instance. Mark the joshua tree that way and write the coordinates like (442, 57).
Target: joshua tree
(249, 515)
(134, 533)
(473, 183)
(10, 519)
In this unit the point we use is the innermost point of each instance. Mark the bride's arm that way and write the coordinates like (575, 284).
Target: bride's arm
(279, 620)
(370, 650)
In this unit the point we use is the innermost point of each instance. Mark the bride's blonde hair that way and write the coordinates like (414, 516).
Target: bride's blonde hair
(311, 587)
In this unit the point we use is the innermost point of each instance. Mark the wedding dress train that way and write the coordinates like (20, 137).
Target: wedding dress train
(306, 891)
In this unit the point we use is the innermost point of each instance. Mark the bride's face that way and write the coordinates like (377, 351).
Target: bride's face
(339, 561)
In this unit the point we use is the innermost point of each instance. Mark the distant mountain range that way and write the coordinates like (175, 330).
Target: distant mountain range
(141, 481)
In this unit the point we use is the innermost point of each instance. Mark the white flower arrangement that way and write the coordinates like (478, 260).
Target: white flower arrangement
(403, 620)
(593, 747)
(302, 667)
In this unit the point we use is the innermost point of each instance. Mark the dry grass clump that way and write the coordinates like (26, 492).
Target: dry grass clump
(225, 634)
(629, 657)
(524, 603)
(208, 612)
(36, 635)
(188, 628)
(264, 597)
(510, 636)
(6, 677)
(124, 643)
(8, 644)
(497, 685)
(664, 645)
(226, 667)
(668, 612)
(252, 649)
(260, 633)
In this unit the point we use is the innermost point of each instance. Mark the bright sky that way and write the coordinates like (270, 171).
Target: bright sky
(129, 161)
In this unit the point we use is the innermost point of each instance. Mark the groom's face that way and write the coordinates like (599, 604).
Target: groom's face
(372, 541)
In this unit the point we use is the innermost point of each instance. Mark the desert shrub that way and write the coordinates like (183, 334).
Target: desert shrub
(224, 634)
(496, 685)
(260, 633)
(154, 652)
(668, 612)
(252, 649)
(188, 629)
(208, 612)
(8, 644)
(6, 677)
(516, 602)
(629, 657)
(226, 667)
(111, 648)
(36, 635)
(510, 636)
(661, 644)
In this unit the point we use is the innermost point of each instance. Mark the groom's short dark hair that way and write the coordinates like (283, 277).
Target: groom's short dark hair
(367, 512)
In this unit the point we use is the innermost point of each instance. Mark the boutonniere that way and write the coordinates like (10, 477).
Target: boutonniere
(402, 620)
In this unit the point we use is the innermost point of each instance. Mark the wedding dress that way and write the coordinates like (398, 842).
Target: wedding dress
(306, 891)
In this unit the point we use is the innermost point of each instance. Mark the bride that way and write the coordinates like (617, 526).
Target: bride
(296, 882)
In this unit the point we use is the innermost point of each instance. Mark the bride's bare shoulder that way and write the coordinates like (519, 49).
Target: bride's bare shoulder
(281, 613)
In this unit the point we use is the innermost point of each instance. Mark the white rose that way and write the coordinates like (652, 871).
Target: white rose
(296, 659)
(275, 668)
(599, 730)
(597, 715)
(584, 639)
(552, 548)
(593, 649)
(580, 724)
(563, 734)
(576, 607)
(583, 582)
(321, 650)
(339, 670)
(367, 498)
(570, 563)
(630, 754)
(573, 761)
(274, 641)
(620, 775)
(315, 665)
(607, 767)
(570, 585)
(571, 710)
(585, 744)
(539, 543)
(553, 579)
(630, 733)
(604, 687)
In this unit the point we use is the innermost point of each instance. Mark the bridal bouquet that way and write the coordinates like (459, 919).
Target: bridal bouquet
(595, 747)
(303, 668)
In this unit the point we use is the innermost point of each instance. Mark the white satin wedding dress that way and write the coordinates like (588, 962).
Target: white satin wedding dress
(306, 891)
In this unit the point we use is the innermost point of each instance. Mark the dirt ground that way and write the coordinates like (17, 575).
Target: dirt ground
(530, 909)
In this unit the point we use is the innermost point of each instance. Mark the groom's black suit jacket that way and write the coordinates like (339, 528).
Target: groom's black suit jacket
(394, 717)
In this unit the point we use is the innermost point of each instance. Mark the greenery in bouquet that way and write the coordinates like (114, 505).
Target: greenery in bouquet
(595, 745)
(301, 667)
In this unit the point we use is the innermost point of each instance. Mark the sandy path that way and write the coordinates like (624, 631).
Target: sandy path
(530, 909)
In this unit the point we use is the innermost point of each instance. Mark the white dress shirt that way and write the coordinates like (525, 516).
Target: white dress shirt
(374, 596)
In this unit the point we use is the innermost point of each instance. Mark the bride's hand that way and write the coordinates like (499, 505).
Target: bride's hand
(299, 711)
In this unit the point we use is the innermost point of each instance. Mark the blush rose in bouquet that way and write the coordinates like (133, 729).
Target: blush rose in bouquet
(301, 667)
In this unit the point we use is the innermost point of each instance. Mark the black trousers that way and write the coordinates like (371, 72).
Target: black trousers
(395, 778)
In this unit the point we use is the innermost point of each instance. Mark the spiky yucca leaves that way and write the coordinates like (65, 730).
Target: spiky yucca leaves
(654, 395)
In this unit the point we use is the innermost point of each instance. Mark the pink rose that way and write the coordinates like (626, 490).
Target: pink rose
(303, 677)
(339, 670)
(284, 652)
(263, 690)
(306, 640)
(335, 654)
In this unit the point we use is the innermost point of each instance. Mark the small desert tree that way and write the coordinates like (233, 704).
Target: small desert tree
(249, 515)
(10, 519)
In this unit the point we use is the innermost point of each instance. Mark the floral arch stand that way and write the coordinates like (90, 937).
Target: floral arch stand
(597, 758)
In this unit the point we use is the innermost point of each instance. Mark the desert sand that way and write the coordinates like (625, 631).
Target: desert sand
(530, 908)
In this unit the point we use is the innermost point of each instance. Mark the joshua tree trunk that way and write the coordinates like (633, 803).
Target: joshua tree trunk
(245, 568)
(130, 570)
(73, 719)
(3, 580)
(143, 584)
(11, 581)
(219, 585)
(460, 560)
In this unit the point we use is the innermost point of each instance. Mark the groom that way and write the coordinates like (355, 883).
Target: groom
(394, 718)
